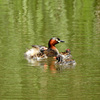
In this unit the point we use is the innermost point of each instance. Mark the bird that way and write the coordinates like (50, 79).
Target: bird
(62, 61)
(66, 54)
(41, 52)
(35, 51)
(52, 51)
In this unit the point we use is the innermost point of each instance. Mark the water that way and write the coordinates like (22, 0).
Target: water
(27, 22)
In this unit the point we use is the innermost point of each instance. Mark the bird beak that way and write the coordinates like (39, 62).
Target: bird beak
(62, 41)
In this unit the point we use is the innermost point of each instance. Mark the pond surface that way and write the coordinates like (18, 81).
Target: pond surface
(27, 22)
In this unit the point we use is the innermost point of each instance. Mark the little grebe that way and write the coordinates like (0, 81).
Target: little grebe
(38, 51)
(66, 54)
(34, 51)
(62, 61)
(52, 50)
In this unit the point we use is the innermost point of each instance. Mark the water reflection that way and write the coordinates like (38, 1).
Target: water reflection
(49, 63)
(33, 62)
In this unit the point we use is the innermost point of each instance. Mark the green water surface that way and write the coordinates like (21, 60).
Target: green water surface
(27, 22)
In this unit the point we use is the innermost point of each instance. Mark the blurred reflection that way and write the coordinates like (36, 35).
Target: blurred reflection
(33, 62)
(62, 67)
(51, 63)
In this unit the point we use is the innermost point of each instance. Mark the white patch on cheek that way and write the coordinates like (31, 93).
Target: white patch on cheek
(57, 40)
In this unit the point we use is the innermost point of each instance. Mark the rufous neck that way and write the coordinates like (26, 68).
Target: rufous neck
(52, 47)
